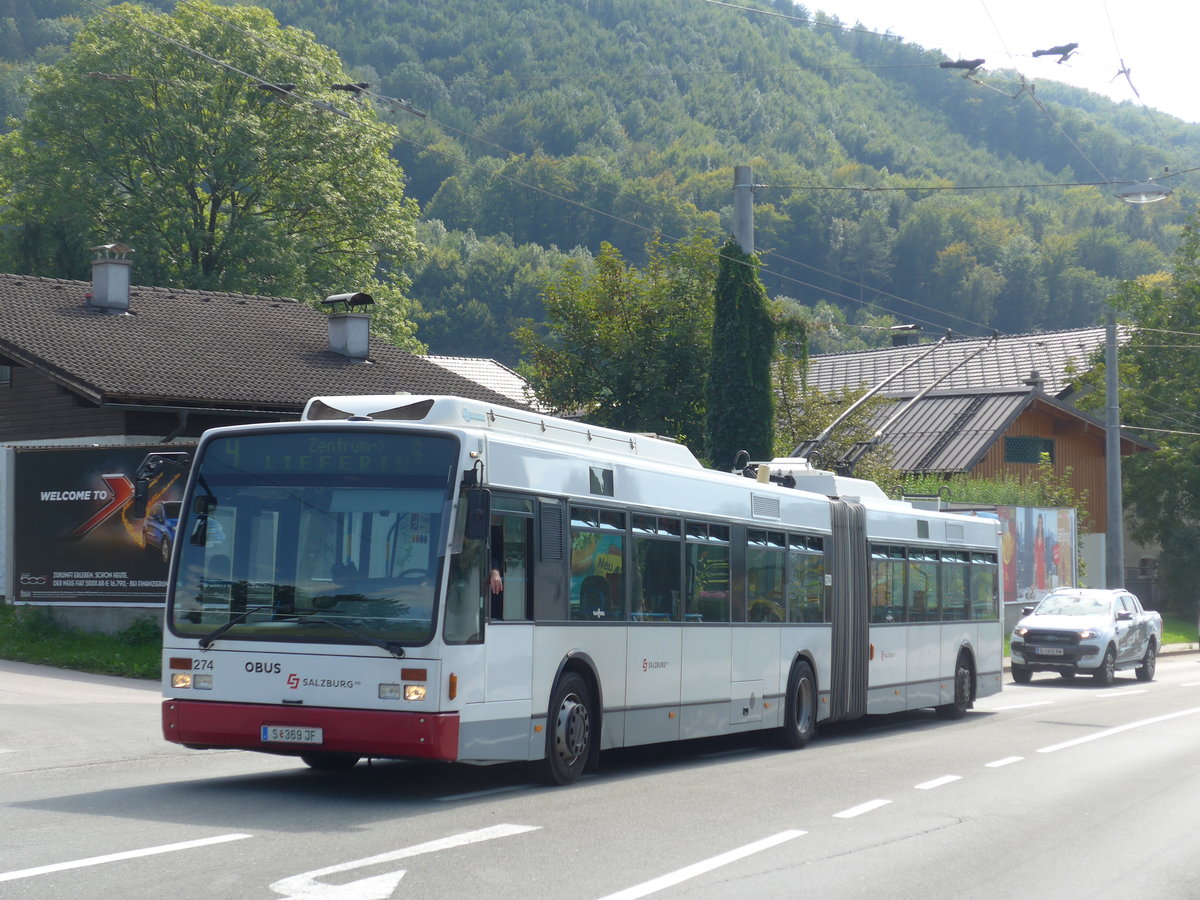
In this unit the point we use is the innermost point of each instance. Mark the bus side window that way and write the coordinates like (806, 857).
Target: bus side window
(597, 565)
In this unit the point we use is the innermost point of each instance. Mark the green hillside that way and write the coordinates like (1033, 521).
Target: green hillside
(554, 126)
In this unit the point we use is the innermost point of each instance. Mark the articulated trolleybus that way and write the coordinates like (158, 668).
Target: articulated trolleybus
(431, 577)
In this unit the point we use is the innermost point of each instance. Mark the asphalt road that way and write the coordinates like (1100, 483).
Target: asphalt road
(1053, 789)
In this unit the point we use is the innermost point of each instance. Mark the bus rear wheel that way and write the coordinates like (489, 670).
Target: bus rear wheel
(800, 708)
(568, 731)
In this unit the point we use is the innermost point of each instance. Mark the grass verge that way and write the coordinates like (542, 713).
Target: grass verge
(32, 634)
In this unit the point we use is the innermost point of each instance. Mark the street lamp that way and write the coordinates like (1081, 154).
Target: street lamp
(1143, 192)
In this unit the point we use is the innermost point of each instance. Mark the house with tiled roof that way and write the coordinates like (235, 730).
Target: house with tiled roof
(985, 408)
(494, 376)
(1052, 359)
(93, 374)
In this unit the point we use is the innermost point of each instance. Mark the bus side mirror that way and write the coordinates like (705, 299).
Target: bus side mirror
(479, 514)
(141, 490)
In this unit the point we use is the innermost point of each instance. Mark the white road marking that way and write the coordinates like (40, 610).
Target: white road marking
(1023, 705)
(118, 857)
(1123, 692)
(1007, 761)
(379, 887)
(707, 865)
(937, 782)
(1109, 732)
(860, 809)
(1190, 684)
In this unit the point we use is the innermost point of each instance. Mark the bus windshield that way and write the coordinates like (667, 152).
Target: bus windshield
(315, 536)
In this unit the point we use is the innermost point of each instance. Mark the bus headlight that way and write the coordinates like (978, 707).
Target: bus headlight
(401, 692)
(185, 680)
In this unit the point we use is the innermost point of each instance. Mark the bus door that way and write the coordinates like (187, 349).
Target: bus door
(508, 586)
(848, 561)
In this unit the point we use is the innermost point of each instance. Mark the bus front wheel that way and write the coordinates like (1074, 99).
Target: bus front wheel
(568, 730)
(800, 709)
(962, 701)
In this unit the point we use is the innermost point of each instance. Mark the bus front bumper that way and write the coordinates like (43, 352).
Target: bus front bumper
(300, 730)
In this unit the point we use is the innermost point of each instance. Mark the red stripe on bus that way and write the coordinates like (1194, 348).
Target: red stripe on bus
(362, 732)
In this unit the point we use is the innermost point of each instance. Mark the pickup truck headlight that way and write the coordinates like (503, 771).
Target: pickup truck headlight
(1020, 631)
(1087, 634)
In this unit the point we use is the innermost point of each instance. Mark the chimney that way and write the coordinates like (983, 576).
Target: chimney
(110, 278)
(349, 332)
(903, 335)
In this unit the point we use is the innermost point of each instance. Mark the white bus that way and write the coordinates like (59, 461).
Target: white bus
(430, 577)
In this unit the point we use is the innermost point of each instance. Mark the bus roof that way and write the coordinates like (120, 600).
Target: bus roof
(457, 412)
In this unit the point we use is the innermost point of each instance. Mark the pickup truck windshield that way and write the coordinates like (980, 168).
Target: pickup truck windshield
(1073, 605)
(315, 536)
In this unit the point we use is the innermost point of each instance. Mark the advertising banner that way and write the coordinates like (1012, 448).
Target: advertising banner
(74, 534)
(1039, 551)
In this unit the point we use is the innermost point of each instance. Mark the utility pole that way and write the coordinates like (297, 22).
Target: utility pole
(1114, 557)
(743, 208)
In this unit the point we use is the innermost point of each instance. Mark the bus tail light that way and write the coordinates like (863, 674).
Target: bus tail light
(452, 689)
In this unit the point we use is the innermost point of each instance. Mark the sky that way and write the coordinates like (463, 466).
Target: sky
(1156, 39)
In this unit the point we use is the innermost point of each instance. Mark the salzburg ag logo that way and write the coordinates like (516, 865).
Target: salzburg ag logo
(293, 681)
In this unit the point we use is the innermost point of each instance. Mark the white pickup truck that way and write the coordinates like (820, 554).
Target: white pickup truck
(1086, 630)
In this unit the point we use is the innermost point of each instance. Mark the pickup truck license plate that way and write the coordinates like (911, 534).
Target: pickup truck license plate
(291, 734)
(1049, 651)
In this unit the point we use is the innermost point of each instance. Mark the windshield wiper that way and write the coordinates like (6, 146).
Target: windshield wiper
(206, 640)
(395, 649)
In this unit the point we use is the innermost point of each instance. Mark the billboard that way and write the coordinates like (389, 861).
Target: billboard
(1039, 551)
(75, 538)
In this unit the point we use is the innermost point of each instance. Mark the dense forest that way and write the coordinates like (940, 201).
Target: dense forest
(885, 184)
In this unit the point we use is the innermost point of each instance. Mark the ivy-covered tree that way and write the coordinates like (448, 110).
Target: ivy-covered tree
(740, 411)
(210, 140)
(628, 348)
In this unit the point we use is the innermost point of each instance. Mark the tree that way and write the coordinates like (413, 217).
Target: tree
(218, 180)
(1160, 377)
(628, 348)
(474, 292)
(740, 405)
(806, 413)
